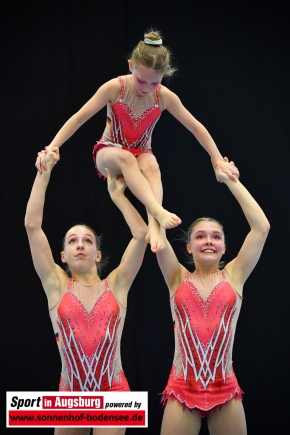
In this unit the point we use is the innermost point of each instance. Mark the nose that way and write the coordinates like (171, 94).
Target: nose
(208, 241)
(80, 245)
(145, 88)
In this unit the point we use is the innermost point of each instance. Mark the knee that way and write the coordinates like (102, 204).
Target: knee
(150, 168)
(126, 159)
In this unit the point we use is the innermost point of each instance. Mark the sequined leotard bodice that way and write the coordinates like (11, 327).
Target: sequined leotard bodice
(131, 120)
(202, 376)
(89, 339)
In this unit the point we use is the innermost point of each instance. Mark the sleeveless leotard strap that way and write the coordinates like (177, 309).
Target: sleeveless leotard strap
(69, 284)
(157, 95)
(107, 288)
(122, 87)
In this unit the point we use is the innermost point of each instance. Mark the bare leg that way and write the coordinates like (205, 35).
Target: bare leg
(230, 420)
(72, 431)
(150, 169)
(179, 421)
(123, 162)
(109, 431)
(86, 431)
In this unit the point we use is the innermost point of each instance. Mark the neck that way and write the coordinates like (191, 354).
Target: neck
(88, 279)
(204, 271)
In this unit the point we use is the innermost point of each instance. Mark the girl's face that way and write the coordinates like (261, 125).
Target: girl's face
(206, 243)
(80, 249)
(144, 80)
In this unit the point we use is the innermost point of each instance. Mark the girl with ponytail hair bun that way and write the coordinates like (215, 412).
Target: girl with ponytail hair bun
(135, 102)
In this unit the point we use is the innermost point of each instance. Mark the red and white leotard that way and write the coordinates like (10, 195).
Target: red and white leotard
(88, 323)
(202, 376)
(130, 120)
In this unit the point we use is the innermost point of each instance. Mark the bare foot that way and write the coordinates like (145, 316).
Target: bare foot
(155, 237)
(165, 218)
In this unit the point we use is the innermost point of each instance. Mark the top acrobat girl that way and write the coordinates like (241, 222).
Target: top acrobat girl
(134, 104)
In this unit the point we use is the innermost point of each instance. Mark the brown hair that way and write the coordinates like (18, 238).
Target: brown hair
(98, 239)
(157, 57)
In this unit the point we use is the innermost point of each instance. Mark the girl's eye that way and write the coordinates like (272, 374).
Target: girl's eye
(217, 237)
(140, 81)
(71, 240)
(89, 240)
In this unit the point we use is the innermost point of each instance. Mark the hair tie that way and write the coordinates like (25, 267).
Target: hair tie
(151, 42)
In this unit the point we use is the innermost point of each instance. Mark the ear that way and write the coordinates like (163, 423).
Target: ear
(98, 256)
(130, 65)
(225, 248)
(188, 248)
(62, 257)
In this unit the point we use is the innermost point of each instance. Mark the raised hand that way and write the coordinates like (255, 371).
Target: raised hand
(225, 170)
(115, 185)
(48, 157)
(41, 158)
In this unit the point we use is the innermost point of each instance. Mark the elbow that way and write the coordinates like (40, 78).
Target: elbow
(30, 224)
(266, 227)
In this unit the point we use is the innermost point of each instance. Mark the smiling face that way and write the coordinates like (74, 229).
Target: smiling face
(207, 244)
(80, 250)
(144, 80)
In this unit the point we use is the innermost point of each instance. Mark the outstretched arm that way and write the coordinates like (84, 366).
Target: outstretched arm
(49, 273)
(104, 94)
(123, 276)
(240, 268)
(173, 104)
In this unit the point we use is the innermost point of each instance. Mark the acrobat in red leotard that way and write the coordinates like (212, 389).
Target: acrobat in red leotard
(89, 339)
(202, 376)
(130, 121)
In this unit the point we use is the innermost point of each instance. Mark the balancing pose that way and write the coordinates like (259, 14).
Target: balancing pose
(134, 105)
(87, 313)
(205, 307)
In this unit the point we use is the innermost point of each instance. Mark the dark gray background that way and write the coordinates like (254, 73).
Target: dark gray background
(233, 60)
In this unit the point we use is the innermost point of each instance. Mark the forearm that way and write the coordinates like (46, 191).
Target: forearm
(253, 212)
(205, 139)
(34, 210)
(133, 219)
(67, 130)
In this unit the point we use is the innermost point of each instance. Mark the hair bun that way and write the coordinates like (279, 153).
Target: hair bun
(153, 35)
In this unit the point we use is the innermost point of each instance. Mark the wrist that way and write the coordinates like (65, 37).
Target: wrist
(115, 196)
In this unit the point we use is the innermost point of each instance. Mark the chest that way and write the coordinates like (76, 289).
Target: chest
(134, 116)
(205, 315)
(74, 316)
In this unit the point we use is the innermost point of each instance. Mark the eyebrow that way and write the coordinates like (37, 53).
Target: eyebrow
(74, 234)
(204, 231)
(142, 80)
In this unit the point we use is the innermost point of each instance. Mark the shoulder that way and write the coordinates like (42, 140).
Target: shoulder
(230, 277)
(184, 276)
(120, 296)
(168, 97)
(108, 92)
(55, 290)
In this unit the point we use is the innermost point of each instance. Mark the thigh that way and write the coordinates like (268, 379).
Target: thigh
(229, 420)
(179, 420)
(147, 161)
(72, 431)
(109, 431)
(111, 157)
